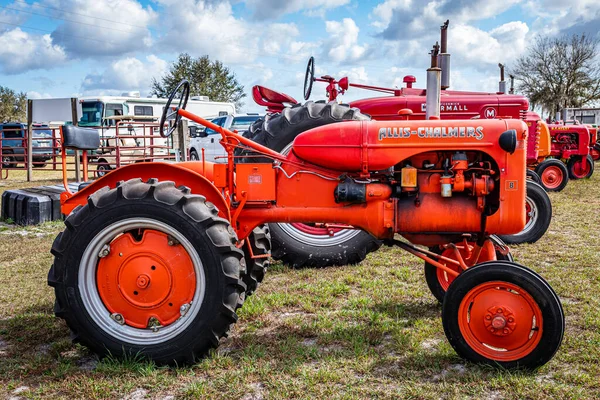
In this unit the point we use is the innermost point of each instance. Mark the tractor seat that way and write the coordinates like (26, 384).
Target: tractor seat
(80, 138)
(266, 97)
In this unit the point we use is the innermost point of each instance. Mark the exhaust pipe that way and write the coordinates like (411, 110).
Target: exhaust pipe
(434, 74)
(512, 84)
(444, 57)
(502, 84)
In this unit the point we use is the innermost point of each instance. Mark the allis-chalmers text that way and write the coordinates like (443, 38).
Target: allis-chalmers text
(432, 132)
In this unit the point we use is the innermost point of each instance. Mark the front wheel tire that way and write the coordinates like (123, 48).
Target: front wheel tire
(539, 214)
(504, 315)
(554, 175)
(149, 269)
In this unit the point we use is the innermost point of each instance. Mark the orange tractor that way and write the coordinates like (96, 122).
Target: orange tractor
(156, 258)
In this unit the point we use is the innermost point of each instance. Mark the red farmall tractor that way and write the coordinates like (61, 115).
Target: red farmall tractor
(156, 258)
(321, 244)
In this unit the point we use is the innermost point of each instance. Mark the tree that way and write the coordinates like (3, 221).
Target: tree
(207, 78)
(13, 105)
(558, 73)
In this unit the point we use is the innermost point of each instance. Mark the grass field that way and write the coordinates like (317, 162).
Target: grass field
(366, 331)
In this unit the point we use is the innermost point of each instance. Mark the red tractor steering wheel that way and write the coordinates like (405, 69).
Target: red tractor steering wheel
(182, 92)
(309, 78)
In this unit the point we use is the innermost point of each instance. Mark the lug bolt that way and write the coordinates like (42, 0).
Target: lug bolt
(104, 251)
(118, 318)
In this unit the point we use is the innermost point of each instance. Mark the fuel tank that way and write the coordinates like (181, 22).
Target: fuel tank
(362, 146)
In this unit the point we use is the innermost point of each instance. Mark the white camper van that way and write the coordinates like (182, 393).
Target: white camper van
(95, 111)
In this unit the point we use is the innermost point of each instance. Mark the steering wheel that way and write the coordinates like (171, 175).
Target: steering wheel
(309, 78)
(170, 115)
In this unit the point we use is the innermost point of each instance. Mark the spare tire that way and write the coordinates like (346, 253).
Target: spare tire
(302, 245)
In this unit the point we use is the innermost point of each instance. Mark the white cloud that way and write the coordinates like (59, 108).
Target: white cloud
(342, 45)
(270, 9)
(474, 47)
(95, 35)
(126, 74)
(21, 51)
(201, 27)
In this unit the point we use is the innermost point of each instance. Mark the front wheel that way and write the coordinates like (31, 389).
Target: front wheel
(533, 176)
(554, 175)
(539, 214)
(504, 315)
(580, 169)
(149, 269)
(103, 168)
(8, 160)
(194, 155)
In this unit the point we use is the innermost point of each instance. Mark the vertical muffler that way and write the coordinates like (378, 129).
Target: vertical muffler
(444, 56)
(502, 84)
(512, 84)
(432, 102)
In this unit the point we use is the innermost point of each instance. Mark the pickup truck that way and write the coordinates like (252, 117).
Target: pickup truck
(13, 144)
(208, 139)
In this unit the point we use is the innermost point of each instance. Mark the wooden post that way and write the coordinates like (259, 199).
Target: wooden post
(180, 141)
(29, 140)
(74, 119)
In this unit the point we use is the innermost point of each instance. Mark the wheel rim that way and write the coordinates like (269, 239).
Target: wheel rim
(168, 297)
(488, 253)
(316, 236)
(500, 321)
(531, 212)
(552, 177)
(578, 170)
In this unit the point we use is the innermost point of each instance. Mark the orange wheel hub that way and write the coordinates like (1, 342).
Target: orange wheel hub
(500, 321)
(146, 280)
(488, 253)
(552, 177)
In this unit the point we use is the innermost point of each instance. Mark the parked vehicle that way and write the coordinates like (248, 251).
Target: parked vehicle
(208, 139)
(13, 144)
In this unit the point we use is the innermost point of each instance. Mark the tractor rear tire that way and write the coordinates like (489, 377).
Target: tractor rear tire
(575, 171)
(539, 215)
(504, 315)
(595, 153)
(438, 283)
(533, 176)
(179, 263)
(256, 268)
(300, 245)
(554, 175)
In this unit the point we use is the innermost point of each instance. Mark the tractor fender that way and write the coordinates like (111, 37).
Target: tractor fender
(195, 175)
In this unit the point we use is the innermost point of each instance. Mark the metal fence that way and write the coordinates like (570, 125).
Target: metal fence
(125, 143)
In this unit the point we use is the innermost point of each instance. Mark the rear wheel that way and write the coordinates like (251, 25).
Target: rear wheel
(103, 168)
(578, 169)
(309, 245)
(149, 269)
(503, 314)
(439, 280)
(554, 175)
(539, 214)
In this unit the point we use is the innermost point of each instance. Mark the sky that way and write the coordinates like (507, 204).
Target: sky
(65, 48)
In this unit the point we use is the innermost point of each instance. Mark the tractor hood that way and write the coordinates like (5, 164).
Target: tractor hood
(362, 146)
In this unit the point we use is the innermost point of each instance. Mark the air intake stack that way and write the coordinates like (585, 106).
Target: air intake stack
(512, 84)
(444, 56)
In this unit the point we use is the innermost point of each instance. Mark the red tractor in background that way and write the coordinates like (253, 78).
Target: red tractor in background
(326, 244)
